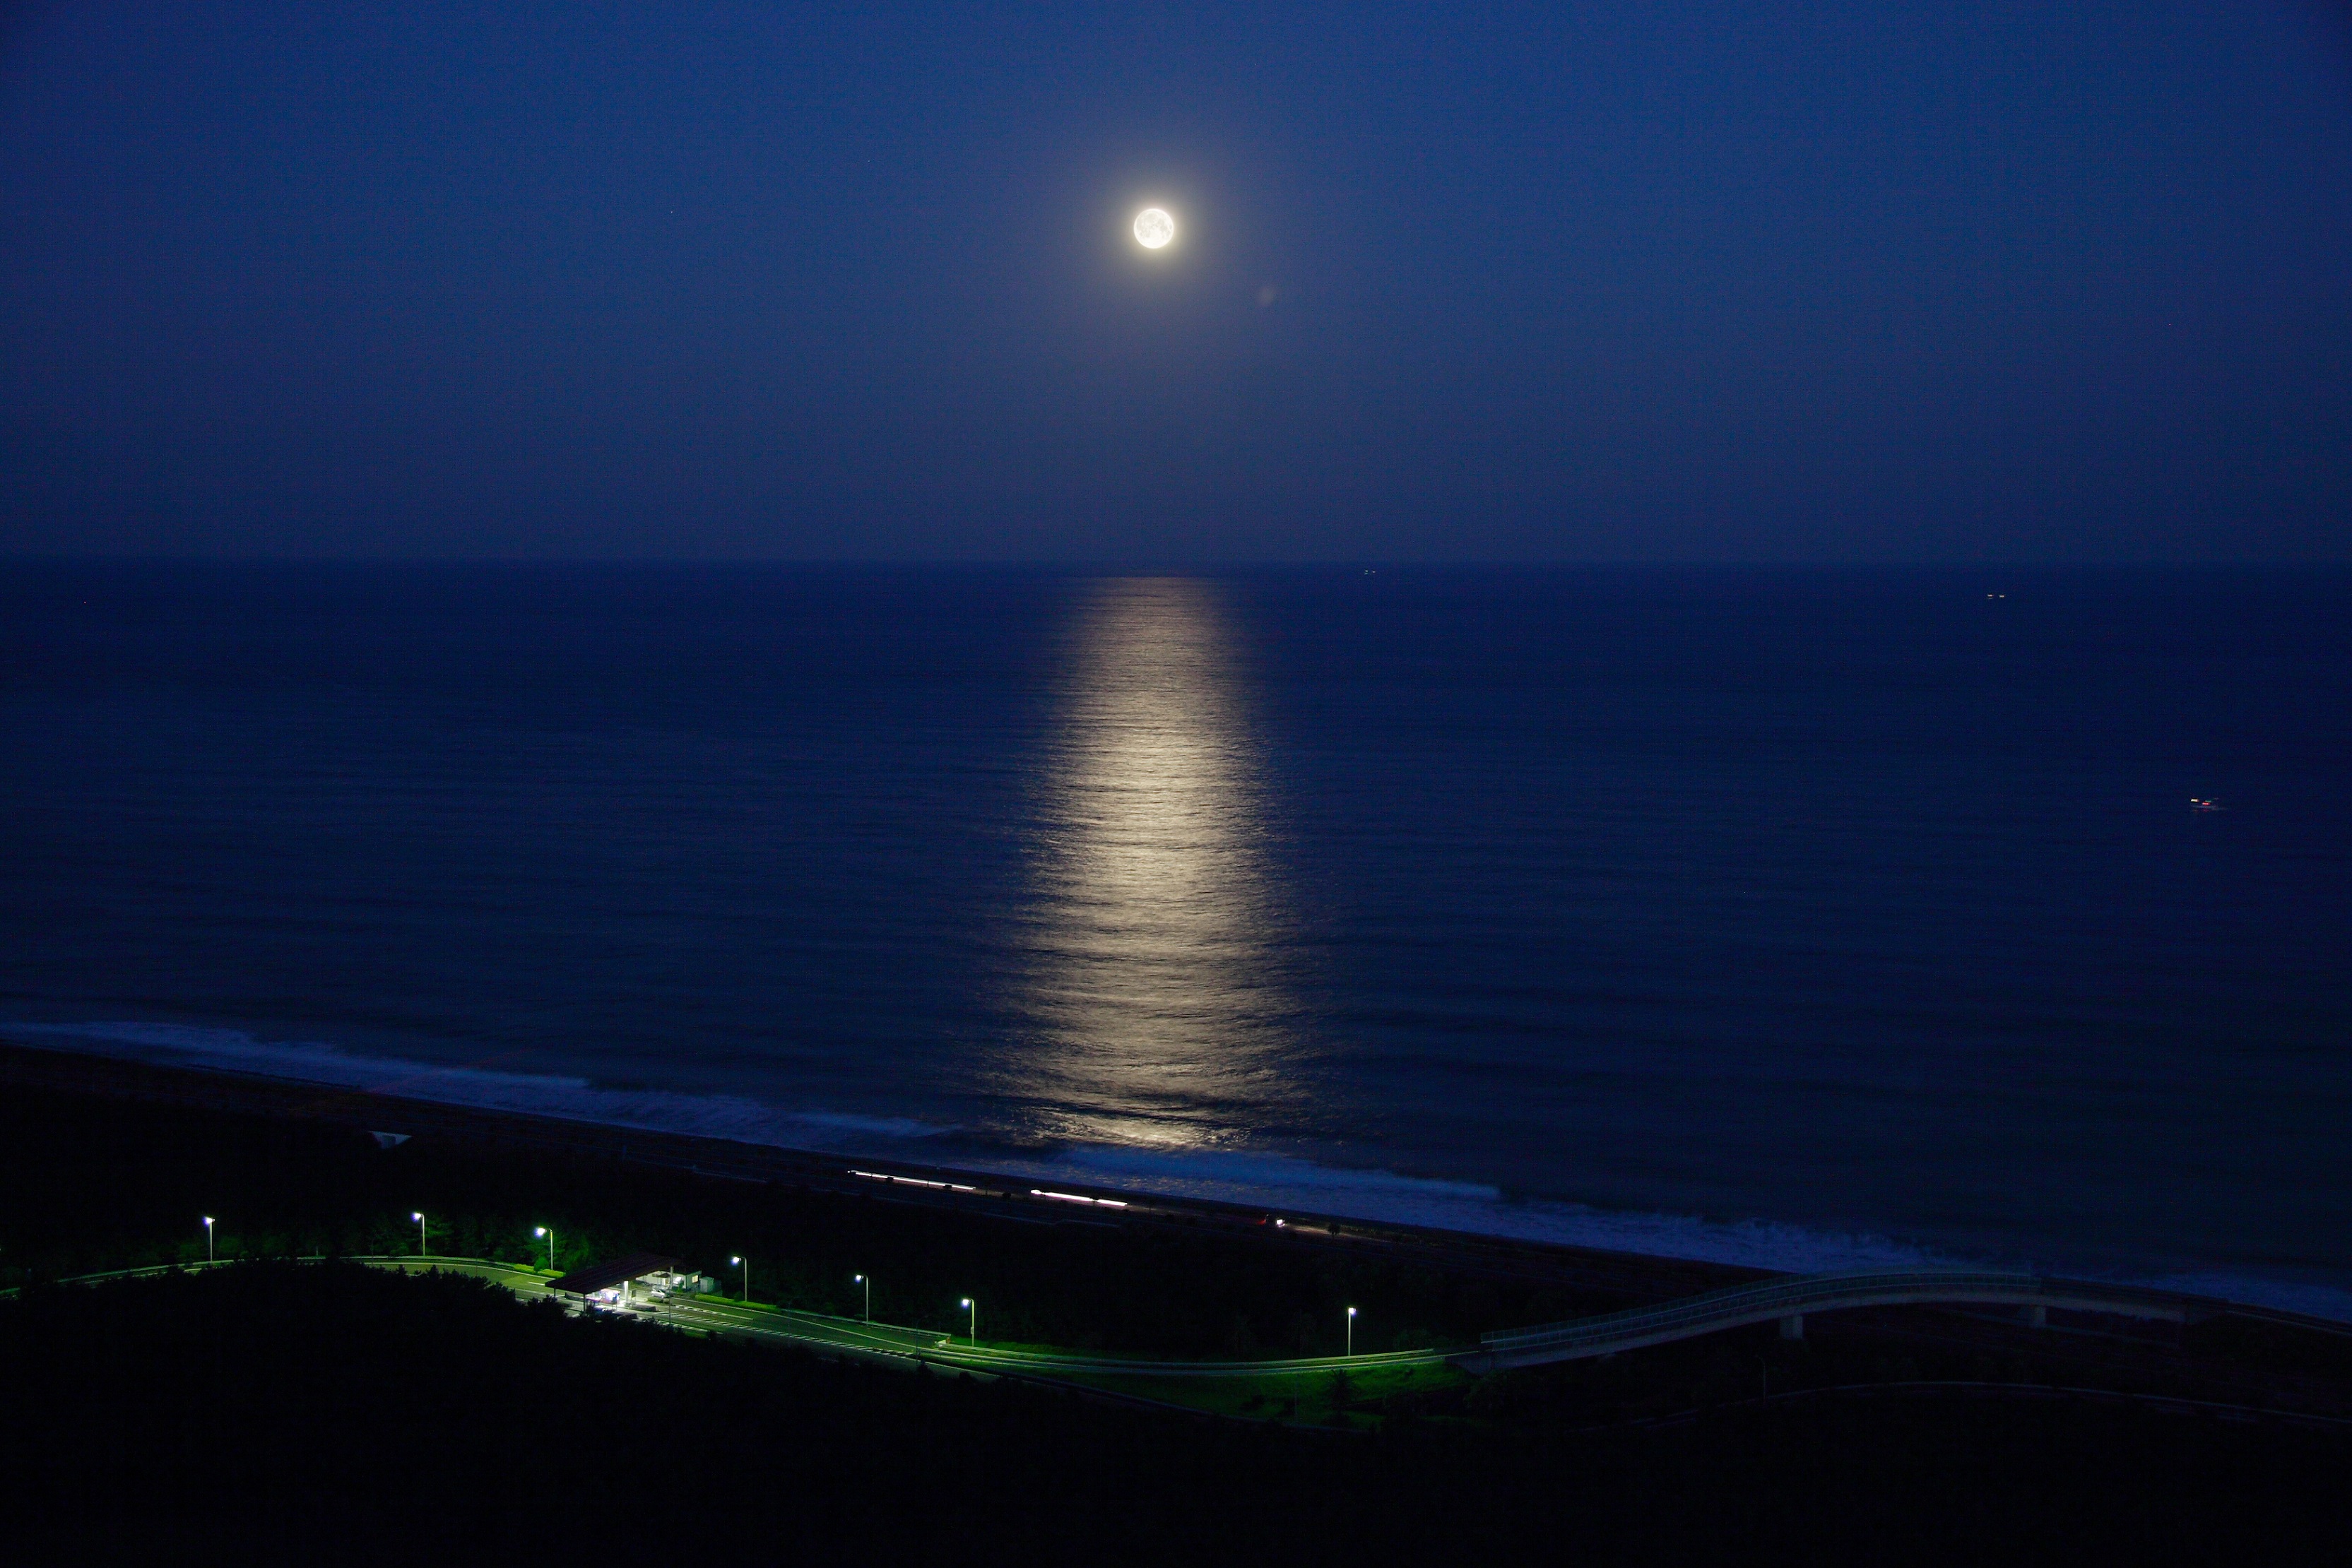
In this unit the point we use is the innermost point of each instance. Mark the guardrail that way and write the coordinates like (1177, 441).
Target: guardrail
(1789, 1300)
(1786, 1300)
(930, 1345)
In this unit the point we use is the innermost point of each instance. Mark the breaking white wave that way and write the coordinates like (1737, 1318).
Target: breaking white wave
(733, 1116)
(1272, 1182)
(1277, 1181)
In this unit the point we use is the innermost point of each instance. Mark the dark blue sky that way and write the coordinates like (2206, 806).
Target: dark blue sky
(1870, 281)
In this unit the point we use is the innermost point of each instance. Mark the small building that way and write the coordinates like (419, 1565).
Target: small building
(633, 1282)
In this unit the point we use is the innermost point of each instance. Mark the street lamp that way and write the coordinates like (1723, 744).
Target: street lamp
(973, 1308)
(1351, 1331)
(420, 1233)
(548, 1231)
(209, 1256)
(740, 1264)
(862, 1280)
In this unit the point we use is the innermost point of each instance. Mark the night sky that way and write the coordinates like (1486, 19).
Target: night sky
(1822, 282)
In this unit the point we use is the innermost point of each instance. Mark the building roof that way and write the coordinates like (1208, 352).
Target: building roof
(604, 1276)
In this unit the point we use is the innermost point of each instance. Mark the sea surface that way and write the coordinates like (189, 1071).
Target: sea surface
(1807, 918)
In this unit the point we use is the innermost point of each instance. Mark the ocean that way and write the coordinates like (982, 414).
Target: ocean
(1806, 918)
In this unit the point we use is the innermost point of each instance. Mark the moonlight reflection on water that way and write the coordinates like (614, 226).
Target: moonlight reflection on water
(1151, 988)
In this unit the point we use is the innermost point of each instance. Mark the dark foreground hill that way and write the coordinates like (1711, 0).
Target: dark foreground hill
(335, 1412)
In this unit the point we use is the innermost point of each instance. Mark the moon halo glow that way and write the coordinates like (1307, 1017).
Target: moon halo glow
(1154, 228)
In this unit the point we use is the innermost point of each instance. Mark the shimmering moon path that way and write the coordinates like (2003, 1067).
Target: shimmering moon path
(1152, 982)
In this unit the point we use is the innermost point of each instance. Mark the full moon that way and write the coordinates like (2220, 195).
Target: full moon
(1153, 228)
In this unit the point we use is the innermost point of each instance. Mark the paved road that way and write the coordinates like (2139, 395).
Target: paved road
(713, 1314)
(1711, 1313)
(1789, 1301)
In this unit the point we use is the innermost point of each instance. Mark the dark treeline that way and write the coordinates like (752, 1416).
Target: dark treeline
(346, 1413)
(90, 1183)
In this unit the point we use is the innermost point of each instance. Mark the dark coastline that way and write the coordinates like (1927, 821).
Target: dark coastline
(1618, 1277)
(327, 1397)
(1630, 1277)
(316, 804)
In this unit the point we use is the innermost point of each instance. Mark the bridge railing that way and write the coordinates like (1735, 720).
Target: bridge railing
(1792, 1296)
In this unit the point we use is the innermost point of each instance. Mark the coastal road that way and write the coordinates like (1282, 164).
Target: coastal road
(1786, 1300)
(817, 1330)
(1790, 1301)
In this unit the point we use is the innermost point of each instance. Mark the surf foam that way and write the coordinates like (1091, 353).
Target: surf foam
(1273, 1182)
(732, 1116)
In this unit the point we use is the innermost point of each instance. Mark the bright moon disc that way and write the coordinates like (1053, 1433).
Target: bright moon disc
(1153, 228)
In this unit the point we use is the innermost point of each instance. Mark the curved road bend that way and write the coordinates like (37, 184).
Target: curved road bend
(714, 1314)
(1711, 1313)
(1788, 1301)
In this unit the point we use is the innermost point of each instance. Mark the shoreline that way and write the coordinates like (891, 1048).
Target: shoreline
(980, 1194)
(1634, 1277)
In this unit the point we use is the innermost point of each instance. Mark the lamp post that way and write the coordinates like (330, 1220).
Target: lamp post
(973, 1308)
(1351, 1331)
(862, 1280)
(209, 1255)
(420, 1233)
(747, 1278)
(548, 1231)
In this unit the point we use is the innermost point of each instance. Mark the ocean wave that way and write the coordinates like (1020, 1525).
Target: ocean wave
(1270, 1181)
(1277, 1181)
(731, 1116)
